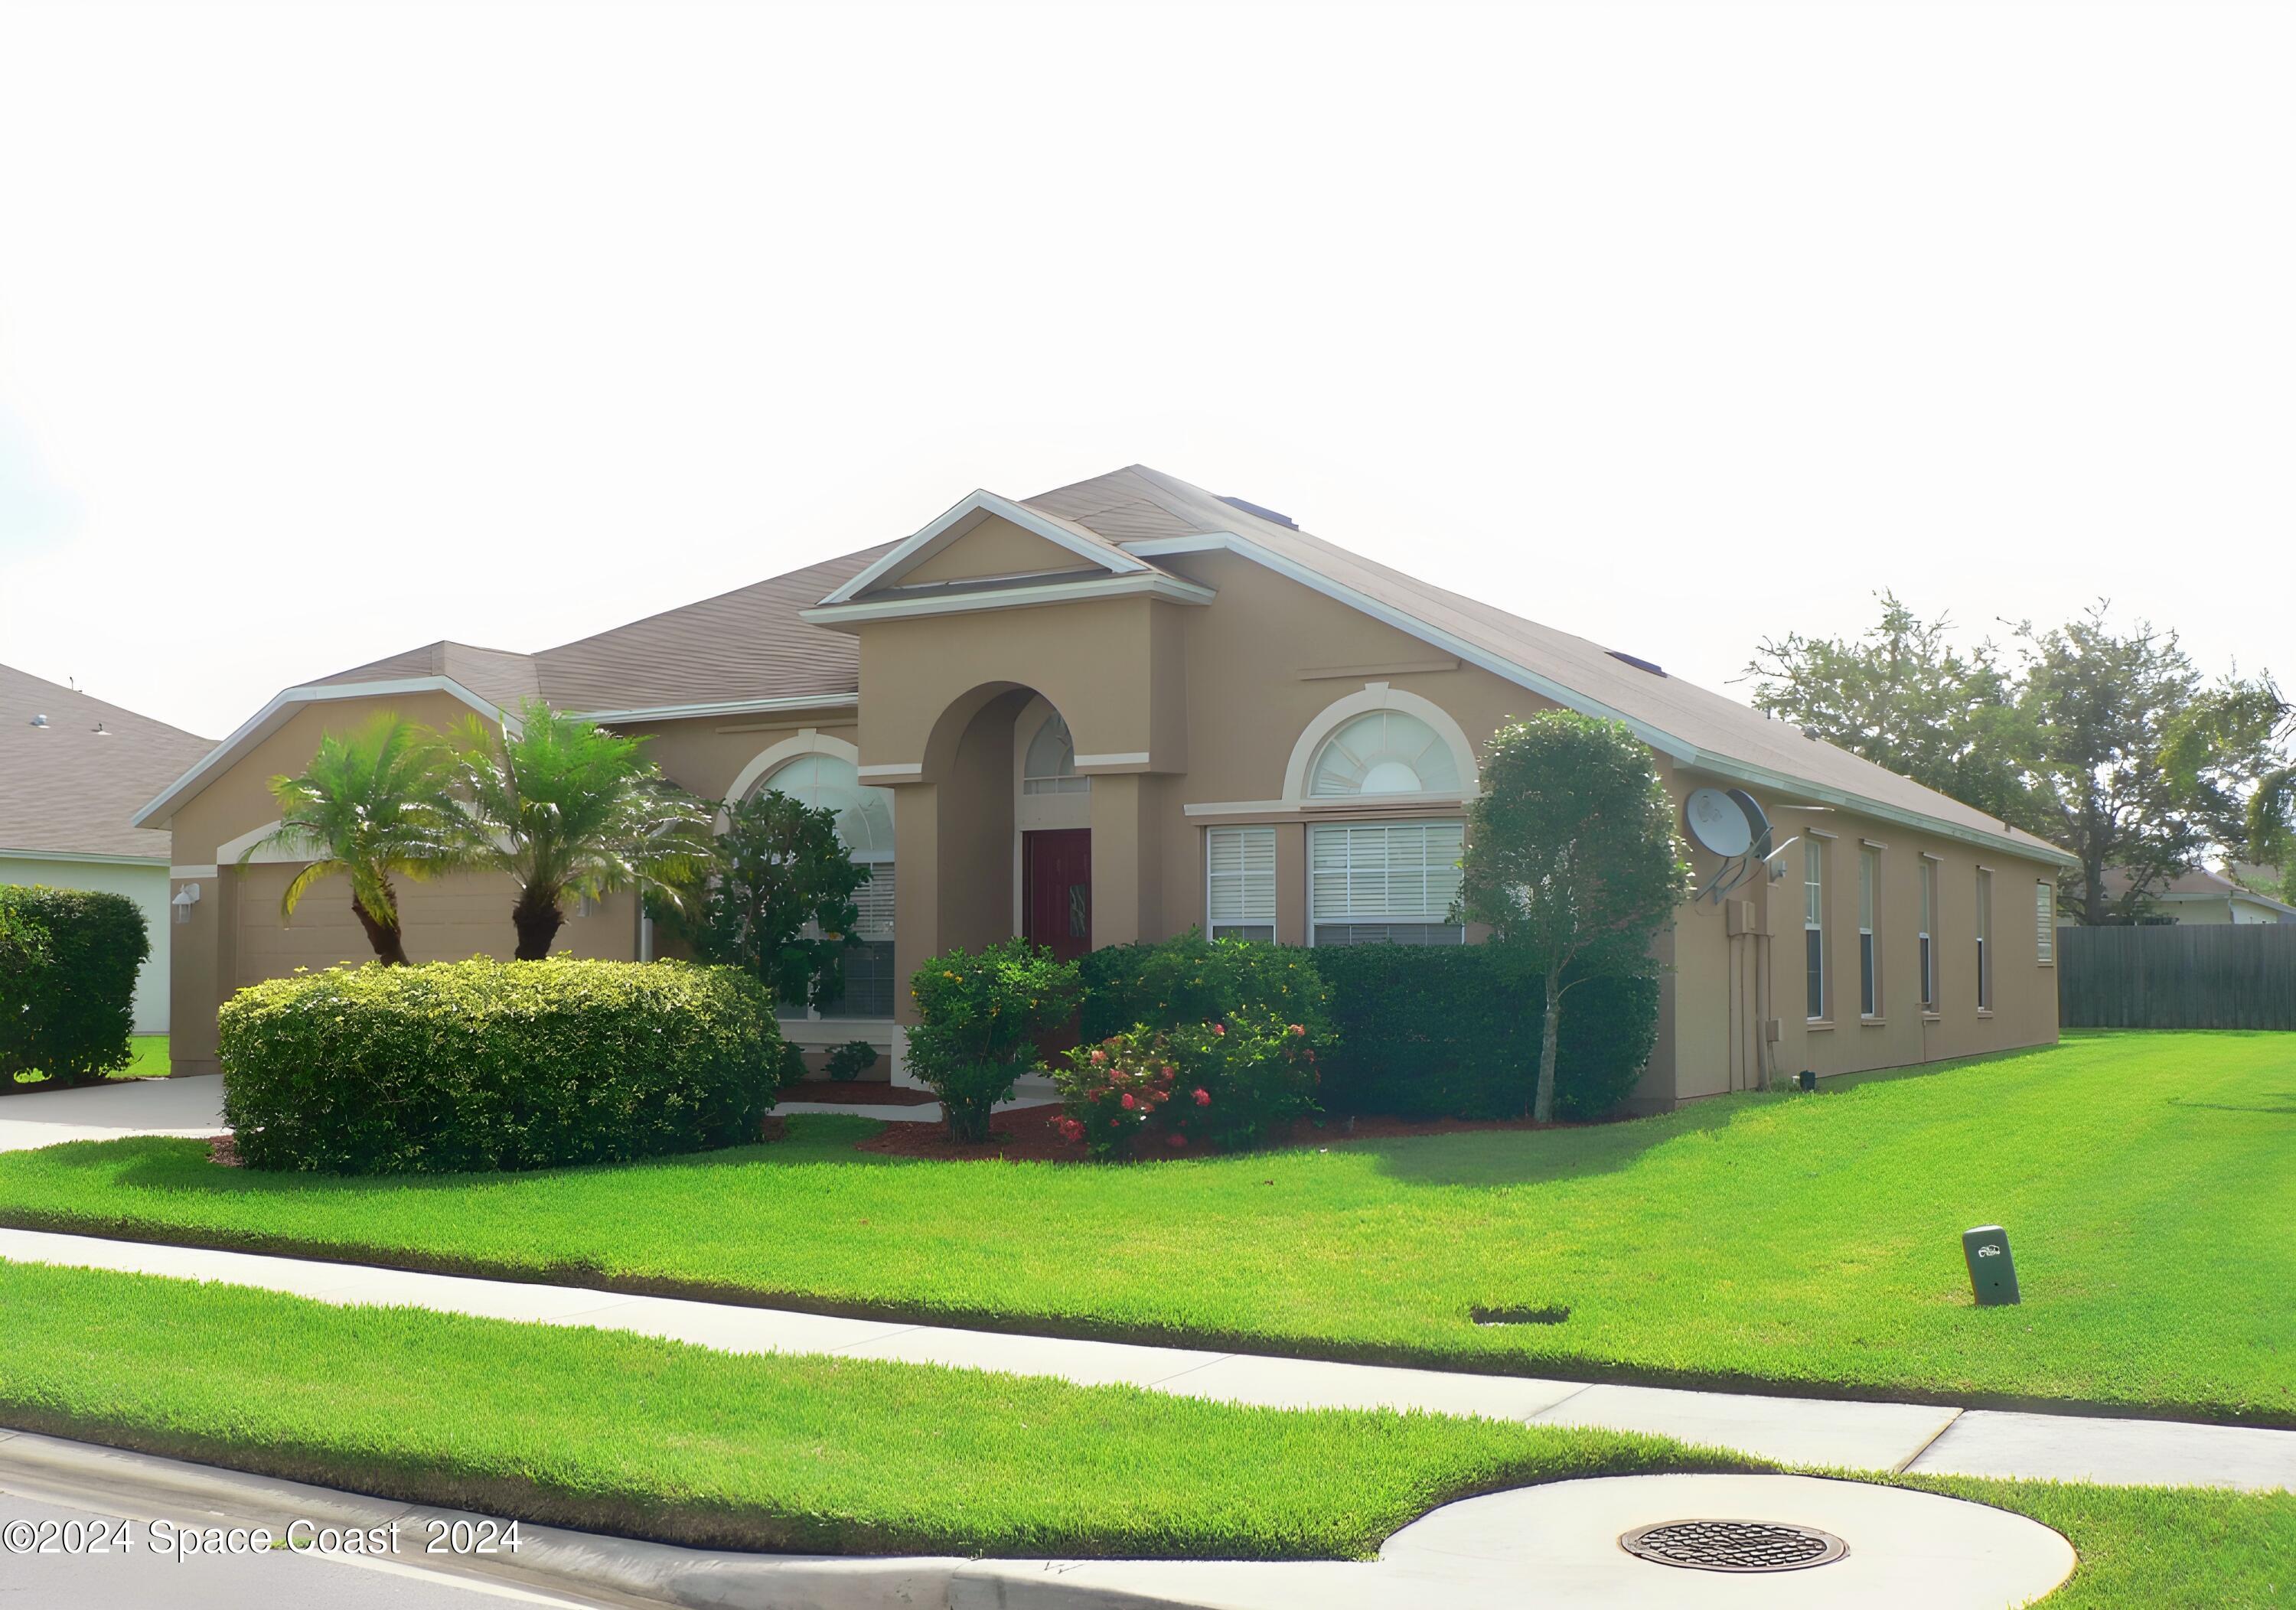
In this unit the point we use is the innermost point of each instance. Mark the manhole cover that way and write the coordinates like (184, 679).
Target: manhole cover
(1734, 1545)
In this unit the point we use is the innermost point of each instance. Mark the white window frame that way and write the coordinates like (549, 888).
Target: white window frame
(2045, 922)
(1418, 919)
(1814, 858)
(1928, 935)
(1256, 884)
(1985, 939)
(1869, 945)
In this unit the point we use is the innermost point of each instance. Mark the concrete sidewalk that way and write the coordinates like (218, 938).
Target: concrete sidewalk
(1823, 1433)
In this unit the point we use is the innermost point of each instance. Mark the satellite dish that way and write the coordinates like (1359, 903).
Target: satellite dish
(1717, 823)
(1757, 821)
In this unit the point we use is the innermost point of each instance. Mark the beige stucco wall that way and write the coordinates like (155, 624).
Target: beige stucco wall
(144, 882)
(1173, 705)
(996, 547)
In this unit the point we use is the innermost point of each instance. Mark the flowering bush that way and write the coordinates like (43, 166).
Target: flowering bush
(1115, 1092)
(1254, 1071)
(1223, 1085)
(981, 1017)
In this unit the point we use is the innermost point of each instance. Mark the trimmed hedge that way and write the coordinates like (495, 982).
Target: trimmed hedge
(468, 1065)
(1453, 1032)
(67, 964)
(1188, 979)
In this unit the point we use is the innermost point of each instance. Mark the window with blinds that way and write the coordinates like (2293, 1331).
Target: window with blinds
(1240, 883)
(1384, 883)
(2045, 921)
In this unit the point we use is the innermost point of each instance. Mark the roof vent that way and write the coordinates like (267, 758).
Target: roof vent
(1638, 664)
(39, 721)
(100, 732)
(1266, 514)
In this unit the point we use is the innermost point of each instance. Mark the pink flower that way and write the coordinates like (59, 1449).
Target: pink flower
(1203, 1098)
(1128, 1101)
(1219, 1028)
(1298, 1028)
(1070, 1129)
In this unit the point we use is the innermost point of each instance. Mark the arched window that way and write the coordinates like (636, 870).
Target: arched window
(864, 824)
(1383, 752)
(1049, 767)
(865, 816)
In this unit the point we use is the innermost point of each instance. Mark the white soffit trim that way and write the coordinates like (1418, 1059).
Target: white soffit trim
(1675, 749)
(1148, 584)
(91, 857)
(282, 708)
(735, 706)
(906, 768)
(961, 518)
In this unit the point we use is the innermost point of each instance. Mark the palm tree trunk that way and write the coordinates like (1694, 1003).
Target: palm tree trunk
(537, 922)
(389, 949)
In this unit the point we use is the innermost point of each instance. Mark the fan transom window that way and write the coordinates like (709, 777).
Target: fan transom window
(865, 816)
(1383, 752)
(1050, 766)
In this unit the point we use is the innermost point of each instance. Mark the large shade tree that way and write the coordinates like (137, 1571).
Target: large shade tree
(370, 808)
(1572, 858)
(569, 811)
(2103, 739)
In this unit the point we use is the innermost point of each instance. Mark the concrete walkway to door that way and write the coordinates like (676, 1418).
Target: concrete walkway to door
(1825, 1433)
(189, 1106)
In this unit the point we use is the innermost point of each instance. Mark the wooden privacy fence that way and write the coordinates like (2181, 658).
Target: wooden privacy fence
(2178, 977)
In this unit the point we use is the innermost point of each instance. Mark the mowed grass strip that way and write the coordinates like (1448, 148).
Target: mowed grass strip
(1805, 1242)
(2154, 1547)
(631, 1434)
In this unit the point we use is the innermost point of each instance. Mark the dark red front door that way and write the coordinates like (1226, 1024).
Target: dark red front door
(1056, 891)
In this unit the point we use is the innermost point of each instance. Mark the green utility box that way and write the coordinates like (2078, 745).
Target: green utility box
(1992, 1274)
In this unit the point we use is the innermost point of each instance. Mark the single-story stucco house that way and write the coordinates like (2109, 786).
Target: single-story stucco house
(73, 771)
(1128, 707)
(2197, 895)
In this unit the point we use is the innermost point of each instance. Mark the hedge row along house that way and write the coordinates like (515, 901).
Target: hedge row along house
(1127, 707)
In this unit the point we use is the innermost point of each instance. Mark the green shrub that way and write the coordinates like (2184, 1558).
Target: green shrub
(1190, 979)
(67, 964)
(788, 1065)
(851, 1060)
(1111, 1093)
(1452, 1031)
(466, 1065)
(979, 1019)
(1244, 1078)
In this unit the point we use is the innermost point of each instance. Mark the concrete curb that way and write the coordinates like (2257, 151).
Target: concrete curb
(587, 1567)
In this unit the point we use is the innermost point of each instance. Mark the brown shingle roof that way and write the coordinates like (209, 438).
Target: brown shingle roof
(66, 789)
(1704, 722)
(497, 675)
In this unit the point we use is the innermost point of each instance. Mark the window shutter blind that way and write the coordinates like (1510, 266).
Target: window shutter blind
(1370, 872)
(1241, 887)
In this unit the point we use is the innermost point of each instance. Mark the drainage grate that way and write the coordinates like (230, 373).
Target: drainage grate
(1734, 1545)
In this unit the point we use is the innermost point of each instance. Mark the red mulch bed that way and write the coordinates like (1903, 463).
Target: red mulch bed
(223, 1150)
(869, 1092)
(1027, 1135)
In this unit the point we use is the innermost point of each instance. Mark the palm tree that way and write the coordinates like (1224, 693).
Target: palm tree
(370, 807)
(564, 808)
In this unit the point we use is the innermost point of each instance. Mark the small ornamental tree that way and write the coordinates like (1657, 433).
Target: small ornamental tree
(1572, 858)
(779, 900)
(980, 1017)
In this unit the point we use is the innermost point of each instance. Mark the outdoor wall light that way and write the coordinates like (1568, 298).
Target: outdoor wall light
(185, 899)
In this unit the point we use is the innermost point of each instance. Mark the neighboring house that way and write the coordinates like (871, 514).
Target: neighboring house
(73, 771)
(2201, 897)
(1128, 708)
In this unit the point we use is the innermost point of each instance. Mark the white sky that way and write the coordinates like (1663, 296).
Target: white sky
(327, 331)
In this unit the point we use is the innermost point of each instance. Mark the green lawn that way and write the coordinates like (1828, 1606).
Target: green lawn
(1805, 1241)
(739, 1451)
(147, 1059)
(679, 1442)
